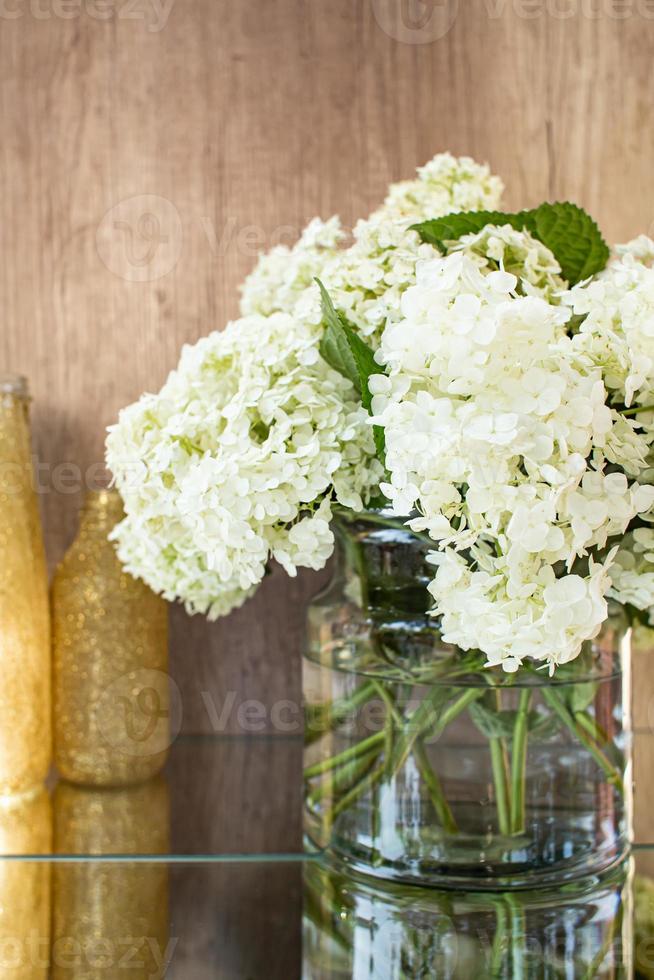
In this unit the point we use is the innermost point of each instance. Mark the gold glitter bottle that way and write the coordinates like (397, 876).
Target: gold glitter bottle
(25, 726)
(111, 917)
(110, 639)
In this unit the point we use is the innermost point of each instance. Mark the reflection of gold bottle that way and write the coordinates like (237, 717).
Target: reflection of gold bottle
(25, 828)
(108, 913)
(110, 660)
(25, 736)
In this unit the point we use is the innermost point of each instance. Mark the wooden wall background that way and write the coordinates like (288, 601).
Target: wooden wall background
(150, 148)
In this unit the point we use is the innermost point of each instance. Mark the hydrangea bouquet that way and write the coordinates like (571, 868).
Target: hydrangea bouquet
(482, 379)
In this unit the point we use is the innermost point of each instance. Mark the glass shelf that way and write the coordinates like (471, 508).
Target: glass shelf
(220, 798)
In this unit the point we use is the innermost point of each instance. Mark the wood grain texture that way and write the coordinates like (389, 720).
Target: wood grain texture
(231, 126)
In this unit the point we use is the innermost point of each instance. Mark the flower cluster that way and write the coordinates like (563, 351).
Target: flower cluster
(235, 460)
(499, 430)
(239, 457)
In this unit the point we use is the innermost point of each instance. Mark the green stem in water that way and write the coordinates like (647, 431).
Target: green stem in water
(417, 725)
(394, 715)
(592, 727)
(499, 766)
(325, 717)
(428, 714)
(571, 723)
(435, 790)
(500, 782)
(368, 782)
(500, 940)
(343, 779)
(519, 763)
(364, 754)
(354, 752)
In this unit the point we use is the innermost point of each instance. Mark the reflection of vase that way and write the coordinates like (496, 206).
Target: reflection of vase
(108, 912)
(110, 660)
(25, 828)
(25, 737)
(424, 765)
(362, 929)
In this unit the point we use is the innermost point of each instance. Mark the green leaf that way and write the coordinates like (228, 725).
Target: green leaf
(451, 227)
(347, 353)
(572, 236)
(566, 229)
(501, 724)
(542, 725)
(334, 344)
(380, 443)
(492, 724)
(579, 696)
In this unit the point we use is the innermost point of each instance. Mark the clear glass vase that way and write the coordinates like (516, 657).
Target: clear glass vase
(422, 765)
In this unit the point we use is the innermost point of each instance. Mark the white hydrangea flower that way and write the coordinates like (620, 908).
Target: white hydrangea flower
(618, 329)
(308, 544)
(284, 273)
(234, 460)
(642, 249)
(498, 430)
(519, 253)
(545, 621)
(632, 575)
(445, 184)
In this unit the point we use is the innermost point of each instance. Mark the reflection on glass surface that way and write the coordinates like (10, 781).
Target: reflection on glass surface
(643, 935)
(25, 828)
(362, 929)
(110, 917)
(126, 820)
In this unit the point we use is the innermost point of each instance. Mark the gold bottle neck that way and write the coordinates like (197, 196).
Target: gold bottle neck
(14, 384)
(103, 507)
